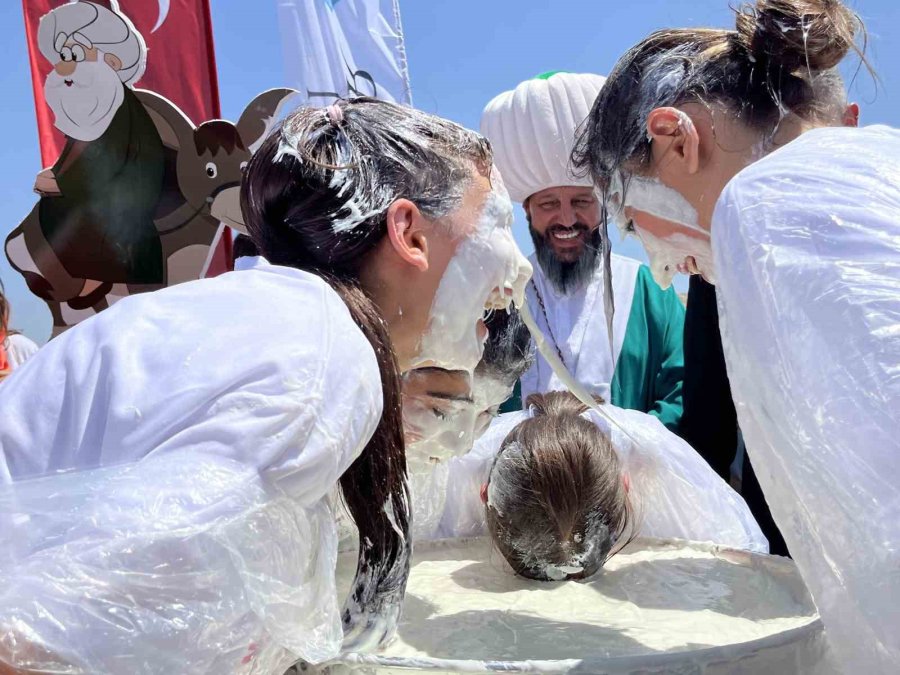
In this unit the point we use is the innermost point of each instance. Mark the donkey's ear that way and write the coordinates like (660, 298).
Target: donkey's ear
(260, 116)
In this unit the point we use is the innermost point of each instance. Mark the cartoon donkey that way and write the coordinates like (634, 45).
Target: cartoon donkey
(200, 191)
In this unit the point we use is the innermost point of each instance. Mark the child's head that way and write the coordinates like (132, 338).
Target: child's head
(556, 500)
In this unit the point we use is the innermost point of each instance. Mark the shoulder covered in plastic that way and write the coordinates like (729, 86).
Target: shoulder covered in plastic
(807, 247)
(220, 569)
(264, 366)
(821, 168)
(676, 494)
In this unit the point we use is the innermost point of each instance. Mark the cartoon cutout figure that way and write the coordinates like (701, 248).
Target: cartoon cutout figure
(135, 201)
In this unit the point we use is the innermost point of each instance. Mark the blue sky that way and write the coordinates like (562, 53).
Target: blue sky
(461, 54)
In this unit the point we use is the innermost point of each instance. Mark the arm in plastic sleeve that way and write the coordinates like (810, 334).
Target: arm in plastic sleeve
(219, 565)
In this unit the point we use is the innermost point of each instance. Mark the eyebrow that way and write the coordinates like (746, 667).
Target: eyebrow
(459, 398)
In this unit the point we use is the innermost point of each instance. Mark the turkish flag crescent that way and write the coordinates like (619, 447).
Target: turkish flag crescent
(181, 65)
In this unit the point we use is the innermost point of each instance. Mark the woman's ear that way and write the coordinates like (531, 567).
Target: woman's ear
(626, 482)
(404, 226)
(675, 139)
(484, 493)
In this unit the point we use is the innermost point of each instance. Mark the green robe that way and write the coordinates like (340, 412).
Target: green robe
(649, 363)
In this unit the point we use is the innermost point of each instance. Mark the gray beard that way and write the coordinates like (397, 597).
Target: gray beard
(568, 276)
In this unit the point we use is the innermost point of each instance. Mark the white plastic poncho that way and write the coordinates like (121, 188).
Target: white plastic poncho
(202, 427)
(675, 492)
(807, 249)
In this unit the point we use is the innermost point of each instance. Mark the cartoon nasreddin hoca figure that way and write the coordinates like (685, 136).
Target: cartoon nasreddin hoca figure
(98, 200)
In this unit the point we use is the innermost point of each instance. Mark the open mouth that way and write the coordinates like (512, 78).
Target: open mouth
(69, 83)
(567, 235)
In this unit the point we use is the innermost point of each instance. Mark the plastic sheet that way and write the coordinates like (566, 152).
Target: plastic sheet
(675, 492)
(807, 250)
(174, 564)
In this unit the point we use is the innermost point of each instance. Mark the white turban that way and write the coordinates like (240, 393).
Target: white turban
(533, 128)
(94, 25)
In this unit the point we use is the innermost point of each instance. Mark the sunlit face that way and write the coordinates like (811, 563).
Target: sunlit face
(438, 416)
(487, 272)
(667, 226)
(565, 218)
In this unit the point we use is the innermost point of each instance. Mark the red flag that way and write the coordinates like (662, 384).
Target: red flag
(181, 66)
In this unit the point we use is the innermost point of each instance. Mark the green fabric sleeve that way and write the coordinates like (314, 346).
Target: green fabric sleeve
(649, 373)
(514, 402)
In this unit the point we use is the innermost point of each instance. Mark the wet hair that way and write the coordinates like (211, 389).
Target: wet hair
(243, 247)
(314, 197)
(508, 350)
(779, 60)
(557, 507)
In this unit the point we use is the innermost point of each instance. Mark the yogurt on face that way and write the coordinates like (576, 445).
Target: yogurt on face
(667, 251)
(487, 272)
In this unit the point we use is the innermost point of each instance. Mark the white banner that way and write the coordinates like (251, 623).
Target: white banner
(341, 48)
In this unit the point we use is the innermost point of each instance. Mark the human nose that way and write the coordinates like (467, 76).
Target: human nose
(567, 215)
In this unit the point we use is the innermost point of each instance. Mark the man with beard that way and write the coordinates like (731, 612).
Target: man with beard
(98, 200)
(616, 331)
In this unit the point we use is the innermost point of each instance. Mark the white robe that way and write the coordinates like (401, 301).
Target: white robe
(578, 326)
(674, 491)
(202, 428)
(806, 243)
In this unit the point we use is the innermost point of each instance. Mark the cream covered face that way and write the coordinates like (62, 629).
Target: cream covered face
(438, 415)
(487, 272)
(668, 227)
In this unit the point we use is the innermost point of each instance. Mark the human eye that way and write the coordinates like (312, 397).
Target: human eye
(78, 53)
(440, 414)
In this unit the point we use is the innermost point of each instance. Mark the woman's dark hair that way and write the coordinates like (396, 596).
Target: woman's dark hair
(314, 197)
(779, 60)
(557, 506)
(508, 350)
(243, 247)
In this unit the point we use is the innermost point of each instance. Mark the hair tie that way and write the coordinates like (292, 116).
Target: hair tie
(335, 114)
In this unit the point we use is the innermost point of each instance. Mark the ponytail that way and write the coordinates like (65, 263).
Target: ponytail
(374, 488)
(767, 68)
